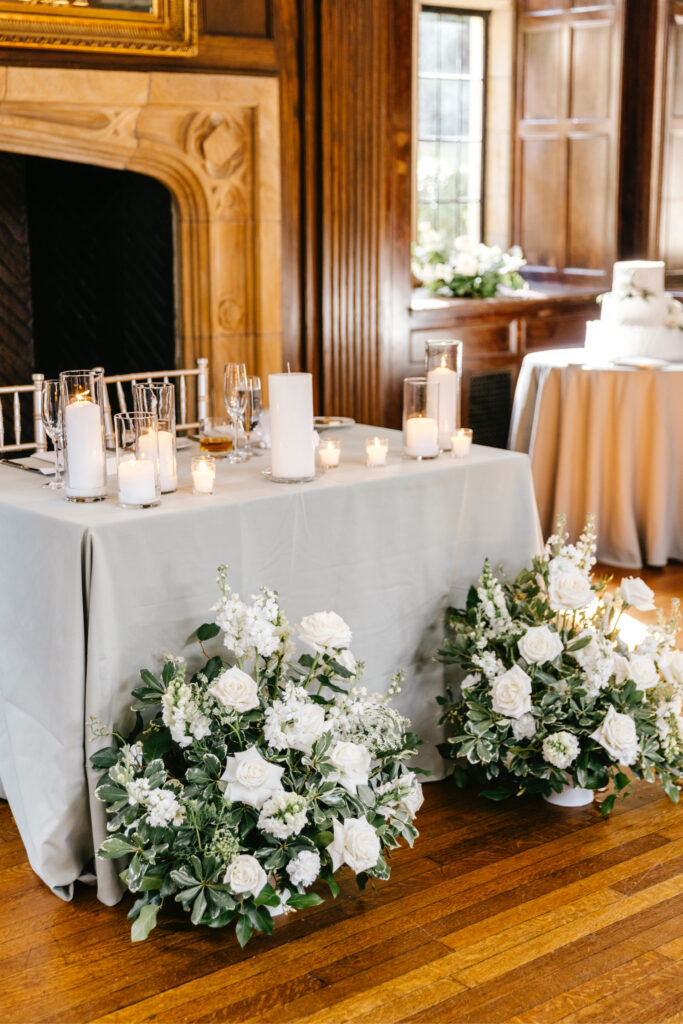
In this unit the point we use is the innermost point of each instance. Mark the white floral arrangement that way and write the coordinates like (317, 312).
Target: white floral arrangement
(244, 784)
(469, 269)
(553, 696)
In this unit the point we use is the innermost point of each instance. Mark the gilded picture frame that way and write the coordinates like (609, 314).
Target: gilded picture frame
(166, 28)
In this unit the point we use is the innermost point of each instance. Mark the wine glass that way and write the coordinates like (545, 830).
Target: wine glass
(51, 415)
(235, 397)
(252, 413)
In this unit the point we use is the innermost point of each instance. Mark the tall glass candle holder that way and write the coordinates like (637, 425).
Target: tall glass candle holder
(443, 359)
(159, 398)
(85, 457)
(137, 459)
(420, 430)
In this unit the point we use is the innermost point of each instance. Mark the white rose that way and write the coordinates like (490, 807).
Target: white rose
(636, 592)
(671, 666)
(569, 590)
(347, 661)
(642, 671)
(540, 644)
(617, 734)
(307, 726)
(412, 801)
(355, 843)
(325, 631)
(621, 669)
(465, 264)
(352, 761)
(251, 779)
(511, 693)
(236, 690)
(245, 875)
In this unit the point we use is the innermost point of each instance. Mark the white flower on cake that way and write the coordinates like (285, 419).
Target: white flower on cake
(561, 749)
(304, 868)
(617, 734)
(235, 690)
(245, 876)
(569, 590)
(355, 843)
(540, 644)
(283, 814)
(511, 693)
(636, 592)
(352, 761)
(643, 671)
(325, 632)
(251, 779)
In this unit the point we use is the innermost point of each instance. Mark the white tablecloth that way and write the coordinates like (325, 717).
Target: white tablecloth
(92, 593)
(607, 440)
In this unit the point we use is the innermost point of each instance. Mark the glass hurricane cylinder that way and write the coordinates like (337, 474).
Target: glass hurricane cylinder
(443, 359)
(85, 457)
(159, 398)
(420, 430)
(137, 459)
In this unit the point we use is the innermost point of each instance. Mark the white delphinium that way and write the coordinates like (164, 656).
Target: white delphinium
(561, 749)
(182, 713)
(492, 602)
(304, 868)
(259, 628)
(283, 815)
(164, 809)
(294, 721)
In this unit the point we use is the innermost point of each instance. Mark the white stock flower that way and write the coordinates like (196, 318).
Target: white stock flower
(561, 749)
(251, 779)
(511, 693)
(236, 690)
(671, 666)
(283, 814)
(304, 868)
(138, 791)
(636, 592)
(540, 644)
(642, 671)
(352, 761)
(325, 631)
(524, 727)
(245, 875)
(569, 590)
(355, 843)
(164, 809)
(617, 734)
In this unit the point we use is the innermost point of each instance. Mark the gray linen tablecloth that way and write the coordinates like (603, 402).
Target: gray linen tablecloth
(607, 440)
(92, 593)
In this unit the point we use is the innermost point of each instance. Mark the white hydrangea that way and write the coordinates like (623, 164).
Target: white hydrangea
(283, 815)
(304, 868)
(164, 809)
(561, 749)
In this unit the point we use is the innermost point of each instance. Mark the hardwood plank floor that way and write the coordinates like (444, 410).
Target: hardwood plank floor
(514, 913)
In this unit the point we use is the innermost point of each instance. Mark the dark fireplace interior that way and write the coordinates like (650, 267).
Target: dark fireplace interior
(86, 269)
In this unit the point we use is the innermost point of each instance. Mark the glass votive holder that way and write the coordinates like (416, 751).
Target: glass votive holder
(159, 398)
(376, 450)
(461, 442)
(203, 474)
(137, 459)
(329, 453)
(85, 465)
(420, 430)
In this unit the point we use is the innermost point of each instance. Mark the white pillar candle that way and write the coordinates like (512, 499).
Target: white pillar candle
(168, 474)
(85, 458)
(137, 482)
(291, 426)
(442, 401)
(461, 442)
(422, 437)
(329, 453)
(203, 475)
(376, 449)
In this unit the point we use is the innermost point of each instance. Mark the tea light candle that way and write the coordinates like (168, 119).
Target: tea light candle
(136, 482)
(422, 437)
(376, 449)
(203, 474)
(85, 452)
(329, 453)
(461, 442)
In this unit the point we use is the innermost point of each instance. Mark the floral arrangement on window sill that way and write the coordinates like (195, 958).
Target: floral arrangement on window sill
(245, 783)
(469, 271)
(553, 697)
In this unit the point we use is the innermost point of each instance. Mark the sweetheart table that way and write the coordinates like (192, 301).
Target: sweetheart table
(92, 593)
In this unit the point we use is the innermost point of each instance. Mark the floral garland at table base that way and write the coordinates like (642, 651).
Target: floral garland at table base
(244, 784)
(552, 696)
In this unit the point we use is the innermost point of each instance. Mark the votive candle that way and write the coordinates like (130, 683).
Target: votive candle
(376, 449)
(422, 437)
(203, 474)
(461, 442)
(329, 454)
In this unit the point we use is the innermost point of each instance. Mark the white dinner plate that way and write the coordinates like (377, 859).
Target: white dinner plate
(328, 422)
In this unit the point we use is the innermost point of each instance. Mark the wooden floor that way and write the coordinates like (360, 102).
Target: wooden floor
(519, 912)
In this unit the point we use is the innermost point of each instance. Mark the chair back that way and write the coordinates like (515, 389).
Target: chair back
(11, 416)
(122, 383)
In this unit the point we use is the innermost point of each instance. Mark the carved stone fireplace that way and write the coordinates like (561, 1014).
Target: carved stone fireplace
(213, 140)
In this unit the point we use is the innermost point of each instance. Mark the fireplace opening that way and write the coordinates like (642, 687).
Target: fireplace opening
(86, 275)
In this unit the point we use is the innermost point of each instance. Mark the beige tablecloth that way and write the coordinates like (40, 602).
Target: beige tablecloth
(607, 440)
(92, 593)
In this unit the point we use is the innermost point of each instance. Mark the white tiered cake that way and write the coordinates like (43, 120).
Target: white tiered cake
(638, 318)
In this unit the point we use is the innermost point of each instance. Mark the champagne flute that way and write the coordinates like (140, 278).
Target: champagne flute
(235, 397)
(51, 415)
(252, 413)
